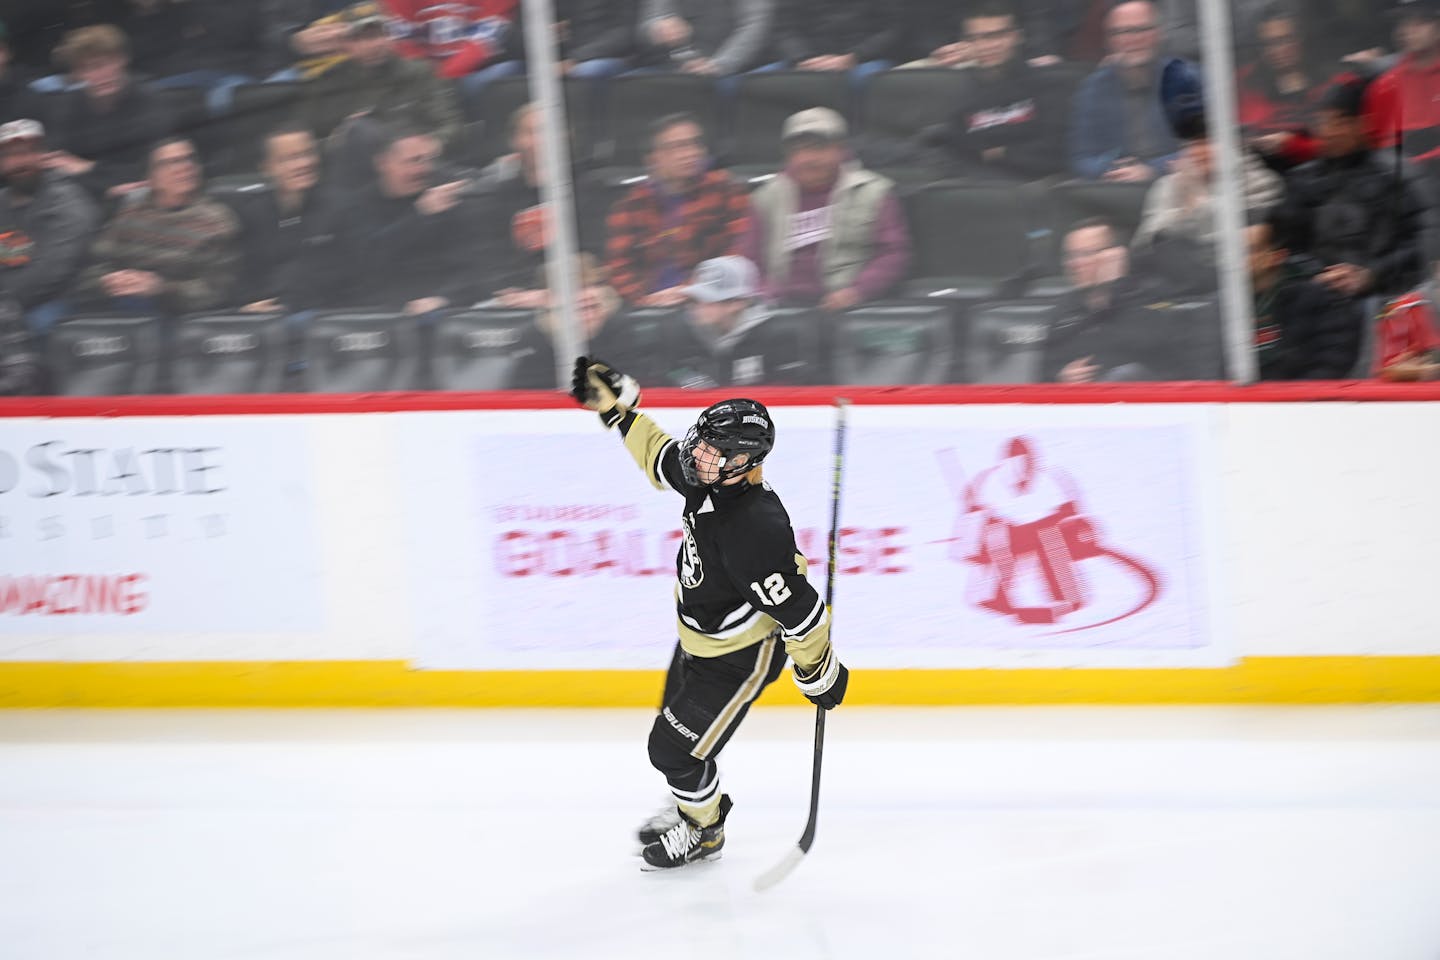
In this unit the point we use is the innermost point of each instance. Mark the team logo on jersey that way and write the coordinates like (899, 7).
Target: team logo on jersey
(1036, 556)
(691, 572)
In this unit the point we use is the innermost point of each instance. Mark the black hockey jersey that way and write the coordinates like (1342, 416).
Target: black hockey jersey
(739, 574)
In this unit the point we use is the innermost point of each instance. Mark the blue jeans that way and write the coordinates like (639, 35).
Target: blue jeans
(472, 84)
(41, 318)
(601, 68)
(54, 83)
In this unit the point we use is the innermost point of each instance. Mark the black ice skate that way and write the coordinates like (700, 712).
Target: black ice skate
(687, 842)
(664, 820)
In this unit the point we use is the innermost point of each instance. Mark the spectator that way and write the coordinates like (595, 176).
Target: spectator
(278, 223)
(858, 36)
(156, 31)
(46, 227)
(20, 370)
(469, 39)
(1117, 129)
(1408, 344)
(1176, 237)
(684, 213)
(713, 38)
(597, 304)
(375, 86)
(596, 37)
(1405, 100)
(104, 131)
(1008, 122)
(222, 46)
(1302, 332)
(171, 250)
(1104, 330)
(516, 230)
(403, 243)
(1356, 220)
(1037, 20)
(728, 339)
(312, 36)
(1278, 94)
(825, 230)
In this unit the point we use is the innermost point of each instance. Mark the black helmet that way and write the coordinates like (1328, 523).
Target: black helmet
(732, 427)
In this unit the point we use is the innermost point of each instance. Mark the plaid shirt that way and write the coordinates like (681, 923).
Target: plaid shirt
(709, 221)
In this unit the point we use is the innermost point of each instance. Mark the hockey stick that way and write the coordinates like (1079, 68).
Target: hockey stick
(792, 859)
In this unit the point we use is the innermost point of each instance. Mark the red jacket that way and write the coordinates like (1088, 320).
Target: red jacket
(1263, 109)
(458, 36)
(1405, 102)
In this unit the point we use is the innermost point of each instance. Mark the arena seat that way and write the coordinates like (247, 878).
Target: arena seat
(893, 344)
(362, 351)
(1005, 341)
(229, 353)
(490, 349)
(102, 356)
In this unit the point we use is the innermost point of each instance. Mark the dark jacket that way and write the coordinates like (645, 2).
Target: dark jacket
(511, 212)
(593, 29)
(814, 28)
(1140, 335)
(1303, 332)
(43, 243)
(596, 28)
(19, 361)
(396, 91)
(222, 35)
(157, 45)
(16, 100)
(1019, 108)
(1102, 133)
(273, 244)
(118, 139)
(1356, 210)
(758, 351)
(374, 250)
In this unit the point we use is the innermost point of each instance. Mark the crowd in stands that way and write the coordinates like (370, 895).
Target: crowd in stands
(768, 191)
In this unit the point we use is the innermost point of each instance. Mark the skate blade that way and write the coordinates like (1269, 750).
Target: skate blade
(647, 867)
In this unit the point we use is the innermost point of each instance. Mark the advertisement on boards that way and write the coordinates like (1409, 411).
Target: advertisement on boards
(155, 526)
(970, 537)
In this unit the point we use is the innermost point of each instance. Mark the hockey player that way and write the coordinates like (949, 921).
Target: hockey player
(743, 601)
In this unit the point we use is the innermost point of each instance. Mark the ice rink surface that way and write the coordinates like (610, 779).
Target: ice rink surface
(985, 834)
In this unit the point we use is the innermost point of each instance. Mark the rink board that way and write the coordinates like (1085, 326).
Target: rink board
(1174, 544)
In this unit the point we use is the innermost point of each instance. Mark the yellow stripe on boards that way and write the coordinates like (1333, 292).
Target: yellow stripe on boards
(395, 684)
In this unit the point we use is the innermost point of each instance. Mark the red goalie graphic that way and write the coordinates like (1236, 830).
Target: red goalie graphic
(1023, 527)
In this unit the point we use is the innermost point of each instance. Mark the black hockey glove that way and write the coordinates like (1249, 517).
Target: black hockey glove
(596, 386)
(825, 685)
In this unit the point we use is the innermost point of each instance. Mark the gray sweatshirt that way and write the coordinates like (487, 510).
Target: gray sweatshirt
(43, 243)
(735, 34)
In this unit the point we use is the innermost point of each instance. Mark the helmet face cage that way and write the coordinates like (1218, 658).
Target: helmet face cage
(731, 427)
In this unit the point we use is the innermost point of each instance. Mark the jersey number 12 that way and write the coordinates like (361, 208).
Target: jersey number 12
(774, 592)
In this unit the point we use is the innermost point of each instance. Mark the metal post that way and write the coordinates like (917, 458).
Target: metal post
(561, 263)
(1236, 297)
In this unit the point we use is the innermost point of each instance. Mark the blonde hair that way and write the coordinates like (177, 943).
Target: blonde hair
(92, 43)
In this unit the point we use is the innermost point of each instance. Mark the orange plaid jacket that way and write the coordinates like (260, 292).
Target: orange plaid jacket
(713, 216)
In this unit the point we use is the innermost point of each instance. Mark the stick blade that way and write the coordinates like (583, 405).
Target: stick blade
(780, 871)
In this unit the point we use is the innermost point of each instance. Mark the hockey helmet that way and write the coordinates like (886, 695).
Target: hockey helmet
(731, 427)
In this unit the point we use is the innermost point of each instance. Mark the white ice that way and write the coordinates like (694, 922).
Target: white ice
(992, 834)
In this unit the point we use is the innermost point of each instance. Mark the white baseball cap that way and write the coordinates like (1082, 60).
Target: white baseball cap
(22, 130)
(819, 122)
(724, 278)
